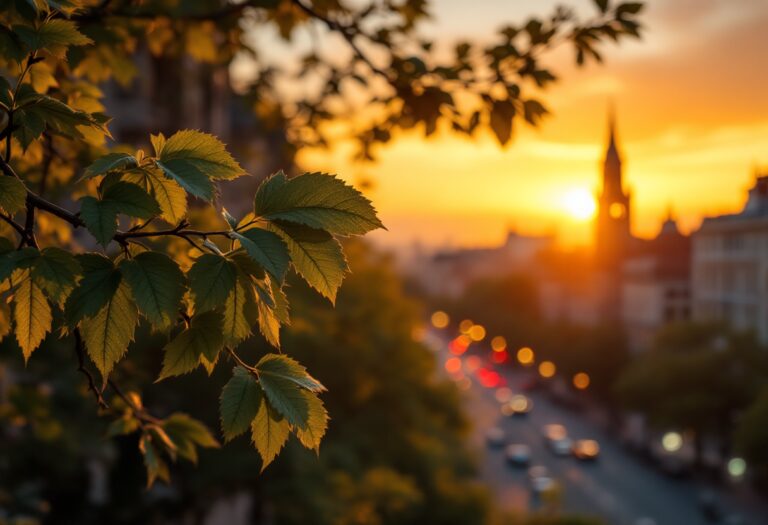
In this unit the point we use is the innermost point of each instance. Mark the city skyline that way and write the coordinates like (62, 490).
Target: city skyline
(691, 144)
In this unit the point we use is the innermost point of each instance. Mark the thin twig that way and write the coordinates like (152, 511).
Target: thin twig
(80, 350)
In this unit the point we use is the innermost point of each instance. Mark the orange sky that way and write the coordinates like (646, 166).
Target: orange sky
(692, 121)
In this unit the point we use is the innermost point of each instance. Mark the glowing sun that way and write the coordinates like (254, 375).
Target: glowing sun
(580, 204)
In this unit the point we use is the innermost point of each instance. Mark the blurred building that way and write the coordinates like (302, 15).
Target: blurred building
(169, 94)
(656, 286)
(448, 273)
(730, 265)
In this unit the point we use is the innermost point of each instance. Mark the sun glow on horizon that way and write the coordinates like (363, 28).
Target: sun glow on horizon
(580, 204)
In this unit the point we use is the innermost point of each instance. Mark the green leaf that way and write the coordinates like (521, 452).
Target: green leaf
(194, 159)
(186, 432)
(236, 326)
(158, 286)
(269, 432)
(269, 325)
(316, 200)
(282, 367)
(99, 283)
(32, 315)
(317, 424)
(202, 152)
(239, 402)
(281, 309)
(56, 271)
(287, 398)
(13, 195)
(211, 279)
(171, 197)
(108, 334)
(110, 162)
(203, 338)
(54, 35)
(131, 200)
(317, 257)
(100, 218)
(156, 467)
(267, 249)
(17, 260)
(35, 113)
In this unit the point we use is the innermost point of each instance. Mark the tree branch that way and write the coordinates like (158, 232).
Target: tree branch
(15, 225)
(347, 33)
(80, 350)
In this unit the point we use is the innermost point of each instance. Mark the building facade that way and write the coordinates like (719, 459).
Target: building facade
(656, 286)
(730, 266)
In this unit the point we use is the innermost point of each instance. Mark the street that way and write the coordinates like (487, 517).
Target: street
(618, 487)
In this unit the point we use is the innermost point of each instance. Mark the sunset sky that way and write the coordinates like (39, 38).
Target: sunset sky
(692, 115)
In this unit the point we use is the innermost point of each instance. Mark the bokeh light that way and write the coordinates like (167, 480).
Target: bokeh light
(525, 356)
(498, 344)
(503, 394)
(581, 380)
(459, 345)
(488, 378)
(547, 369)
(440, 319)
(672, 441)
(737, 467)
(476, 332)
(473, 363)
(499, 357)
(465, 325)
(453, 365)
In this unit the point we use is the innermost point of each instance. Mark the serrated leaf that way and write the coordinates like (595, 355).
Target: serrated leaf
(156, 467)
(203, 338)
(171, 197)
(286, 398)
(317, 423)
(56, 271)
(269, 432)
(17, 260)
(110, 162)
(186, 432)
(317, 257)
(54, 35)
(35, 113)
(269, 325)
(236, 326)
(267, 249)
(281, 309)
(99, 283)
(13, 195)
(316, 200)
(108, 333)
(211, 280)
(32, 316)
(283, 367)
(100, 218)
(201, 152)
(239, 402)
(158, 285)
(130, 199)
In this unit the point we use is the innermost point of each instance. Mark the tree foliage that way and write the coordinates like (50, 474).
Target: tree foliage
(98, 242)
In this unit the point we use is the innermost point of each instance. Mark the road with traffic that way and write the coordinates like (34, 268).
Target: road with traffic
(618, 486)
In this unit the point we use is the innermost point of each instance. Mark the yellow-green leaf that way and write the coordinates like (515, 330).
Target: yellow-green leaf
(108, 334)
(269, 431)
(32, 315)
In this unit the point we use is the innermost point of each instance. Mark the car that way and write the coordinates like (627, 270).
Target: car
(553, 432)
(518, 454)
(586, 449)
(540, 480)
(561, 447)
(520, 405)
(494, 437)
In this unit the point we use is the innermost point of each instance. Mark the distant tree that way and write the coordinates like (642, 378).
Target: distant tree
(697, 377)
(100, 245)
(751, 436)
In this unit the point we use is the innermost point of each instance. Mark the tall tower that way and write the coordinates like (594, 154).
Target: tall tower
(612, 227)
